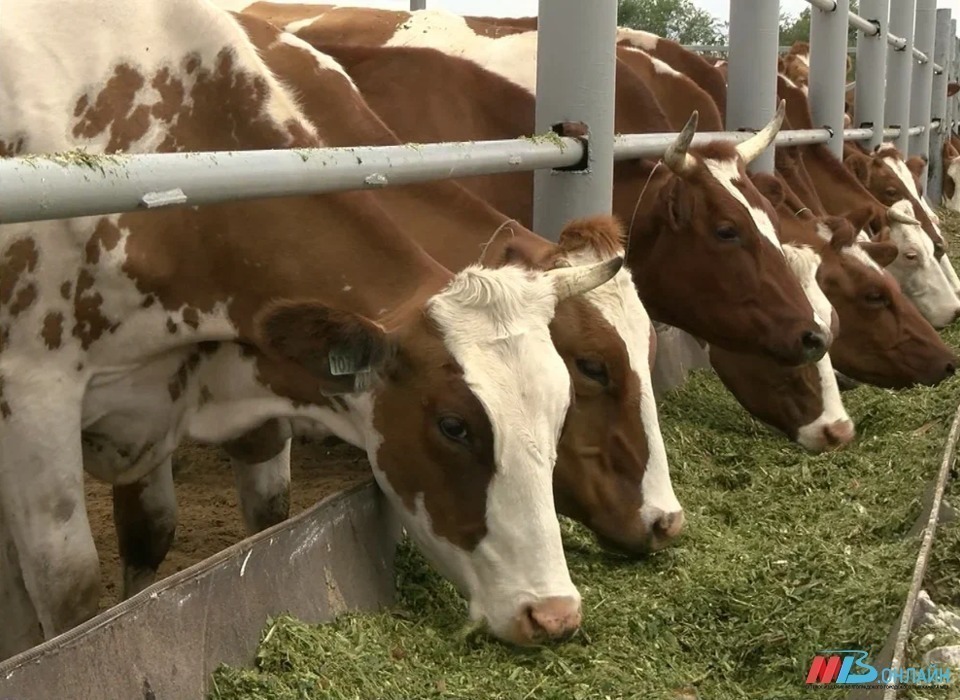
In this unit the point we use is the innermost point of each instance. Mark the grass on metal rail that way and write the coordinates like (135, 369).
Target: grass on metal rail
(785, 554)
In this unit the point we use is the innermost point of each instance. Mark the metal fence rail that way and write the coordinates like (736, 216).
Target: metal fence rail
(50, 187)
(76, 184)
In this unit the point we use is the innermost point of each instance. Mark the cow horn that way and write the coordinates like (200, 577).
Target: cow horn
(676, 156)
(901, 218)
(571, 281)
(755, 145)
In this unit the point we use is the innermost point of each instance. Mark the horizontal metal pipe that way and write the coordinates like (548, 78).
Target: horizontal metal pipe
(55, 186)
(73, 184)
(853, 19)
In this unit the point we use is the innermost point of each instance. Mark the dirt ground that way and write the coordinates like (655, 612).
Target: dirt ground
(209, 517)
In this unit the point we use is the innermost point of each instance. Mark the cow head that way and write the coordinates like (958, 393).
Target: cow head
(467, 399)
(886, 176)
(951, 176)
(802, 402)
(612, 472)
(911, 173)
(713, 264)
(883, 339)
(916, 268)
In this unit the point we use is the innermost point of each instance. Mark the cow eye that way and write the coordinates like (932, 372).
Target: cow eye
(910, 256)
(727, 233)
(595, 370)
(453, 428)
(938, 250)
(876, 299)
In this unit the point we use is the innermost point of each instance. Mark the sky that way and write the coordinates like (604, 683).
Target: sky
(527, 8)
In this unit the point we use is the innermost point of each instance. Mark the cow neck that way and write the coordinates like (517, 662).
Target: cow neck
(342, 250)
(451, 223)
(837, 187)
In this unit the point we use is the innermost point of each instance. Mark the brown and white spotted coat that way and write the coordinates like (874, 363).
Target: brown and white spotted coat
(122, 334)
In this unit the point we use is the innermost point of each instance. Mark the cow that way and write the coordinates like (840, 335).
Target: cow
(426, 96)
(122, 334)
(951, 173)
(883, 339)
(611, 471)
(673, 256)
(813, 416)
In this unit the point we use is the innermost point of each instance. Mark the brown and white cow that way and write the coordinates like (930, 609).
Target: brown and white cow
(951, 173)
(882, 338)
(123, 334)
(611, 471)
(674, 257)
(813, 415)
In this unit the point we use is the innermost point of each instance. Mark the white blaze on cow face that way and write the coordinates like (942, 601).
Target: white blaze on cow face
(621, 307)
(920, 275)
(725, 172)
(804, 263)
(951, 191)
(494, 323)
(897, 165)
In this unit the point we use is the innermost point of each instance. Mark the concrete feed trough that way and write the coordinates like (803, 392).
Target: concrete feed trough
(166, 641)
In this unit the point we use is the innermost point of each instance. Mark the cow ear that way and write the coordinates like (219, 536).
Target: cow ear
(842, 233)
(859, 165)
(860, 218)
(916, 164)
(882, 252)
(949, 151)
(952, 89)
(679, 204)
(770, 187)
(341, 349)
(520, 252)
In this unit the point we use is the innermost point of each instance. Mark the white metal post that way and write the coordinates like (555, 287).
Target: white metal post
(900, 71)
(576, 69)
(921, 90)
(871, 70)
(828, 70)
(943, 56)
(952, 101)
(752, 71)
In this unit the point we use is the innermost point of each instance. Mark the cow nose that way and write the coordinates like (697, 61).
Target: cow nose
(555, 618)
(839, 433)
(950, 369)
(814, 345)
(666, 528)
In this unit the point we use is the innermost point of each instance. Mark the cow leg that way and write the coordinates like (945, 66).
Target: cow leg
(261, 467)
(21, 628)
(145, 518)
(42, 499)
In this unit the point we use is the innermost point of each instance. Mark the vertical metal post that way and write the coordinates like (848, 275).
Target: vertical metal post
(952, 102)
(943, 56)
(752, 70)
(418, 5)
(921, 88)
(871, 70)
(828, 70)
(576, 69)
(900, 71)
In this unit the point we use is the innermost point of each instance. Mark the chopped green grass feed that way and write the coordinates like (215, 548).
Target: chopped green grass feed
(784, 554)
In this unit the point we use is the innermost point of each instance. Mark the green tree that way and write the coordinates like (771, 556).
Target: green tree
(679, 20)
